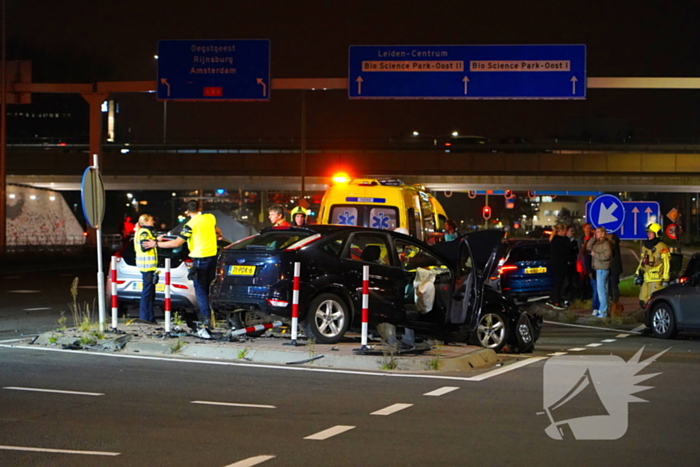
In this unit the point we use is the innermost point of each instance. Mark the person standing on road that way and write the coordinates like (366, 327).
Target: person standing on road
(201, 235)
(559, 253)
(147, 262)
(615, 271)
(572, 284)
(601, 256)
(276, 216)
(654, 270)
(584, 265)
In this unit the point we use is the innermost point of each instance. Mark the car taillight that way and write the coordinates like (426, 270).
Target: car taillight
(188, 263)
(278, 303)
(120, 282)
(503, 269)
(179, 286)
(682, 280)
(303, 242)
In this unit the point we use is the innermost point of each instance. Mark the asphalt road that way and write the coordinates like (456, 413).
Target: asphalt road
(126, 411)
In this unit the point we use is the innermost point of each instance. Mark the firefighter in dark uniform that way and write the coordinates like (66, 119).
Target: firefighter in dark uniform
(147, 262)
(654, 268)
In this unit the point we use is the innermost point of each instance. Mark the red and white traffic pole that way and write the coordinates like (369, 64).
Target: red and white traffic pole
(295, 303)
(365, 305)
(257, 327)
(166, 303)
(115, 301)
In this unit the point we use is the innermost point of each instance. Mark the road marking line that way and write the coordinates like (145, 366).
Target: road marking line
(577, 349)
(622, 336)
(507, 368)
(24, 291)
(609, 340)
(597, 344)
(249, 462)
(233, 404)
(266, 366)
(59, 451)
(557, 354)
(639, 328)
(441, 391)
(589, 327)
(391, 409)
(37, 309)
(57, 391)
(325, 434)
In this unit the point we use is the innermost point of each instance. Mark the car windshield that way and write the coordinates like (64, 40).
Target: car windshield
(276, 240)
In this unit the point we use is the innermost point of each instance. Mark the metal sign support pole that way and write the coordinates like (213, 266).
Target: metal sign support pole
(100, 271)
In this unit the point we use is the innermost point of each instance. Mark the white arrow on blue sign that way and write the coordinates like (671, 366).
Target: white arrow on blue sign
(628, 218)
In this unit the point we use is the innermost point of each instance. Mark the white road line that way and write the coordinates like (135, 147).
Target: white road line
(233, 404)
(442, 391)
(507, 368)
(57, 391)
(391, 409)
(37, 309)
(622, 336)
(282, 368)
(557, 354)
(325, 434)
(583, 326)
(607, 341)
(24, 291)
(597, 344)
(59, 451)
(251, 461)
(577, 349)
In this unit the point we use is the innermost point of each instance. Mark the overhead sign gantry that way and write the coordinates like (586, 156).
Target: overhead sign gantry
(467, 72)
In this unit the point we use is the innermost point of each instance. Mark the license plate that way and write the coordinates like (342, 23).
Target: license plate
(241, 271)
(535, 270)
(159, 287)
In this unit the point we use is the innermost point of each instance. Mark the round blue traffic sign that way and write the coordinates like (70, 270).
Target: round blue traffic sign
(606, 211)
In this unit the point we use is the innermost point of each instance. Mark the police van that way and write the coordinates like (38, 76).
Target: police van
(382, 204)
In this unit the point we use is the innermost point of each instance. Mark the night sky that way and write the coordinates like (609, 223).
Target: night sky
(84, 40)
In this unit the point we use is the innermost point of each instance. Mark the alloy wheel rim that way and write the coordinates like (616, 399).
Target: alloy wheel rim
(330, 318)
(491, 330)
(662, 321)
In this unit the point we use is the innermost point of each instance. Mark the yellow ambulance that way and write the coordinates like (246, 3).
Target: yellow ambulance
(382, 204)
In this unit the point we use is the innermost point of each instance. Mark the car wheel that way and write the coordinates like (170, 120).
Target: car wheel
(492, 330)
(663, 321)
(327, 319)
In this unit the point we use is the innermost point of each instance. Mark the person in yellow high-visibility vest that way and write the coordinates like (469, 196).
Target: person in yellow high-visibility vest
(654, 270)
(147, 262)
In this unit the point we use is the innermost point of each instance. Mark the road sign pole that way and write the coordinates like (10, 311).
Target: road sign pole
(100, 271)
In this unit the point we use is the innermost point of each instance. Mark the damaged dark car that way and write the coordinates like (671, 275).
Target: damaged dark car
(438, 292)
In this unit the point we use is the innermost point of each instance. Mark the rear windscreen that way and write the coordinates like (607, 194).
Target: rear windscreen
(277, 240)
(530, 253)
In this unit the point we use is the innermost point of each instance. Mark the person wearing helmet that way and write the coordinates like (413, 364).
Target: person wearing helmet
(653, 272)
(299, 216)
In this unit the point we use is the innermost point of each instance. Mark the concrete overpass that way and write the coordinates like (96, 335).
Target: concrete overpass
(636, 168)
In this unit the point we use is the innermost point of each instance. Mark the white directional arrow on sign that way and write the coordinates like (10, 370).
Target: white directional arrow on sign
(649, 211)
(465, 80)
(605, 215)
(635, 211)
(359, 84)
(573, 85)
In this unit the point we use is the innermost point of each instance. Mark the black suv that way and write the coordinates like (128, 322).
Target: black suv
(439, 294)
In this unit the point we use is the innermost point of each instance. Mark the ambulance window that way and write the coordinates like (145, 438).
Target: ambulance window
(384, 218)
(344, 215)
(411, 218)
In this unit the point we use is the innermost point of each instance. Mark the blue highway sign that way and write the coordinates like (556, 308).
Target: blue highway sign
(467, 72)
(214, 70)
(637, 216)
(606, 211)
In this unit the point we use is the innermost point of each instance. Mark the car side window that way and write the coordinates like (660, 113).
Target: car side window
(335, 246)
(412, 256)
(369, 248)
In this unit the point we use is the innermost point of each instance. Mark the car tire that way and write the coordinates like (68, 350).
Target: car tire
(327, 320)
(492, 331)
(663, 321)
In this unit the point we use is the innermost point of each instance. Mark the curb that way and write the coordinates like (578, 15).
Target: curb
(339, 356)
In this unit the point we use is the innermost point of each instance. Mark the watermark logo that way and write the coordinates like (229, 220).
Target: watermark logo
(598, 387)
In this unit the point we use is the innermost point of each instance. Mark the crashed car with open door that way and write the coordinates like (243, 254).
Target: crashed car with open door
(438, 292)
